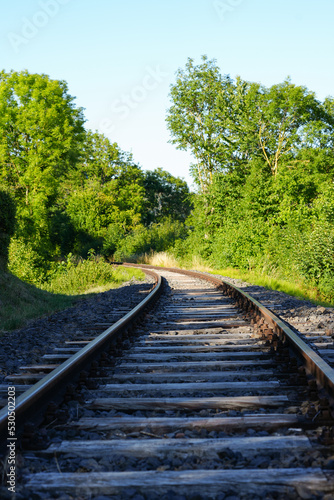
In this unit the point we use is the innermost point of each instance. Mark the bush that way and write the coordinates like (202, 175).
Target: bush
(75, 275)
(326, 288)
(62, 232)
(317, 255)
(157, 238)
(7, 226)
(112, 238)
(284, 248)
(26, 263)
(239, 244)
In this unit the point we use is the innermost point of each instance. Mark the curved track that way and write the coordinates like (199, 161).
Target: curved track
(67, 371)
(211, 395)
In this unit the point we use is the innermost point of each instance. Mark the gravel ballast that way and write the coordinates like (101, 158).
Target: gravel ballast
(302, 314)
(27, 345)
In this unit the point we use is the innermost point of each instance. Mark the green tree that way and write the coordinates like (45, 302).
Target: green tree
(101, 161)
(196, 120)
(286, 113)
(104, 195)
(226, 124)
(41, 132)
(166, 196)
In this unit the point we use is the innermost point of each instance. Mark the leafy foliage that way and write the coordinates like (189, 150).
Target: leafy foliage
(25, 261)
(40, 137)
(166, 197)
(74, 276)
(265, 169)
(157, 237)
(73, 190)
(7, 225)
(226, 124)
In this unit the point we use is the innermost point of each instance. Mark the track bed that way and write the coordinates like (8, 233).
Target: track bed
(194, 403)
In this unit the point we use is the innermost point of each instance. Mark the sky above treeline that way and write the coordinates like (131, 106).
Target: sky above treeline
(120, 58)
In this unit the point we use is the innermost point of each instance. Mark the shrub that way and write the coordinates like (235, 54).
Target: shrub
(7, 225)
(75, 275)
(317, 255)
(239, 244)
(25, 262)
(112, 238)
(157, 237)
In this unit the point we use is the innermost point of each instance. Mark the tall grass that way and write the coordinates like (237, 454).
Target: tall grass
(87, 276)
(297, 289)
(268, 278)
(167, 259)
(21, 302)
(161, 259)
(145, 240)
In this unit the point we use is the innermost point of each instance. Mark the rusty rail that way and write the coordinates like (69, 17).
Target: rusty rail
(65, 372)
(323, 373)
(29, 402)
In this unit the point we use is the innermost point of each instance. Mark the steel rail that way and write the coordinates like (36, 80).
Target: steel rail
(317, 366)
(29, 400)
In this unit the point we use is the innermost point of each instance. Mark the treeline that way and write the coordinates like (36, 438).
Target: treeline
(265, 172)
(66, 190)
(264, 168)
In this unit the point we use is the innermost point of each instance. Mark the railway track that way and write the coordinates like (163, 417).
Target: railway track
(207, 396)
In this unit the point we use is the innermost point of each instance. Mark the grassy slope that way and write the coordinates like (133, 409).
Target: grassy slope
(21, 302)
(296, 289)
(299, 290)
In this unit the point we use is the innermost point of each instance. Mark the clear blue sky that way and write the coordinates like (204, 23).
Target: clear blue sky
(119, 58)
